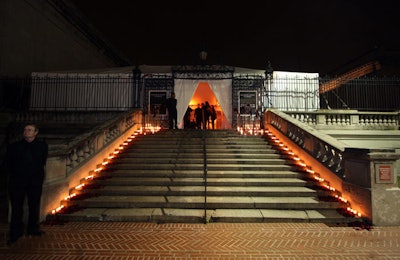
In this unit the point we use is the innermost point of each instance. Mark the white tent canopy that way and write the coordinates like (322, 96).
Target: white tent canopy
(185, 88)
(293, 91)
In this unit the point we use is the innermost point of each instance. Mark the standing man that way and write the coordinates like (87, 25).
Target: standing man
(186, 118)
(26, 160)
(172, 112)
(198, 115)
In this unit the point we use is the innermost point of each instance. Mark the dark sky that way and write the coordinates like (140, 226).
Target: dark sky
(309, 36)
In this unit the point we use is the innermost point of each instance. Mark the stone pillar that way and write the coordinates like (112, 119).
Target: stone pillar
(55, 186)
(385, 193)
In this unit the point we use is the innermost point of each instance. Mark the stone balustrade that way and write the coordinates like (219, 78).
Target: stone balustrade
(367, 177)
(349, 119)
(90, 143)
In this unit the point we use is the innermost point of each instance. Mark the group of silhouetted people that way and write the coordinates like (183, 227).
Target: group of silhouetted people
(204, 116)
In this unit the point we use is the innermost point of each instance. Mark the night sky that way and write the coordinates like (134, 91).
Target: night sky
(306, 36)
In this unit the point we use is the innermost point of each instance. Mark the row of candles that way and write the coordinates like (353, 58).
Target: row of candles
(285, 150)
(148, 129)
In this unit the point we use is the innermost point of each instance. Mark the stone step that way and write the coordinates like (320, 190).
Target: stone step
(190, 139)
(200, 166)
(167, 181)
(189, 150)
(178, 215)
(198, 173)
(199, 146)
(163, 154)
(198, 202)
(199, 160)
(187, 190)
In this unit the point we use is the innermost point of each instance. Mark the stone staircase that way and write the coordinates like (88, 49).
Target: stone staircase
(160, 178)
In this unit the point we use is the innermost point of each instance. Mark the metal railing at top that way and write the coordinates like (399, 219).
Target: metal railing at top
(118, 93)
(363, 94)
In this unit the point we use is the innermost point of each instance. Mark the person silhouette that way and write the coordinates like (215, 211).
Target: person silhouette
(172, 112)
(206, 115)
(26, 160)
(198, 116)
(213, 116)
(186, 117)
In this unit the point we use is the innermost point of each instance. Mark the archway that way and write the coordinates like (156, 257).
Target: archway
(202, 94)
(216, 92)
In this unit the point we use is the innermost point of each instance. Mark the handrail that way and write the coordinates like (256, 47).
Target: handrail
(203, 139)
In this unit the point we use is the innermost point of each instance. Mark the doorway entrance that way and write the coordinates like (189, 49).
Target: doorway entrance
(216, 92)
(201, 95)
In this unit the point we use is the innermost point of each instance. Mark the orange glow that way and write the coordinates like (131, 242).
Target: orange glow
(309, 170)
(54, 211)
(202, 94)
(105, 162)
(80, 186)
(70, 196)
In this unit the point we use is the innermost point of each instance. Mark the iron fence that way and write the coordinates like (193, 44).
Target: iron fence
(363, 94)
(121, 93)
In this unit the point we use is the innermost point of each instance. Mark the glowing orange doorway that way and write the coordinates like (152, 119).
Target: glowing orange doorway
(202, 94)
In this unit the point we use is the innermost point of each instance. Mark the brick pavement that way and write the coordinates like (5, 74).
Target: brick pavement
(125, 240)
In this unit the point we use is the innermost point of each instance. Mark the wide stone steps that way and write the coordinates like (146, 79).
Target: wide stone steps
(198, 166)
(200, 161)
(200, 181)
(198, 202)
(199, 190)
(199, 174)
(189, 152)
(181, 215)
(150, 153)
(164, 178)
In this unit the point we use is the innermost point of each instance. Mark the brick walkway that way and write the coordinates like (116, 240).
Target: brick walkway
(125, 240)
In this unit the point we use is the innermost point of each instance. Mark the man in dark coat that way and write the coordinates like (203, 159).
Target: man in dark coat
(198, 115)
(26, 160)
(172, 112)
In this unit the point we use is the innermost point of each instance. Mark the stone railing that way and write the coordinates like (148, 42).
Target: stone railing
(348, 119)
(84, 146)
(365, 176)
(327, 150)
(68, 164)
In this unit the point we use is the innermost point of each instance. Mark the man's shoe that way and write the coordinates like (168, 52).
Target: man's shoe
(36, 233)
